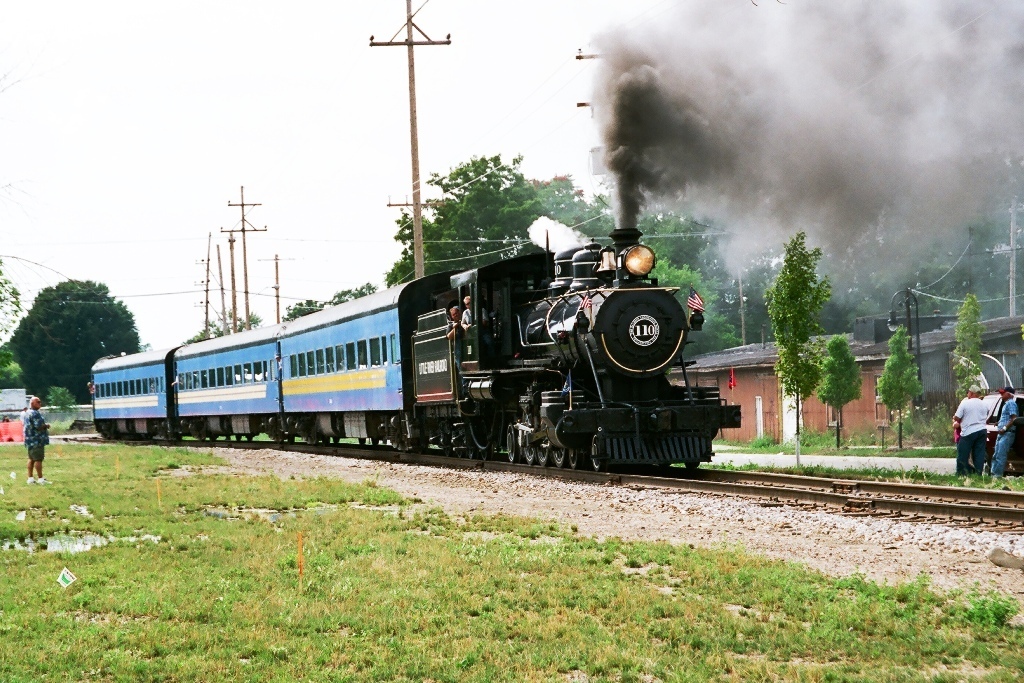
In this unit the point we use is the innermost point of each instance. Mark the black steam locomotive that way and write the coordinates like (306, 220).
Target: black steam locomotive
(565, 362)
(570, 369)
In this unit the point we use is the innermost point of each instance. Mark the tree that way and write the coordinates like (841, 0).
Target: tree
(841, 378)
(486, 208)
(899, 383)
(311, 306)
(69, 327)
(795, 301)
(10, 309)
(967, 352)
(217, 330)
(60, 399)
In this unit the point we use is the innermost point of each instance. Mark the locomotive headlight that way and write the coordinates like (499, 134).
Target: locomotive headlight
(638, 260)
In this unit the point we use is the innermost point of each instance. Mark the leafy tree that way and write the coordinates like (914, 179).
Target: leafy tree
(899, 383)
(311, 306)
(967, 352)
(69, 327)
(841, 378)
(486, 208)
(10, 374)
(795, 301)
(217, 330)
(10, 309)
(301, 308)
(60, 399)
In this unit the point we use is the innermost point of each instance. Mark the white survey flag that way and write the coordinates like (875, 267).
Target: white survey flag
(13, 475)
(20, 516)
(66, 578)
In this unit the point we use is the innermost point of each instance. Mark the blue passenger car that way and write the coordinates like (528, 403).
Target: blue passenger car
(131, 394)
(228, 385)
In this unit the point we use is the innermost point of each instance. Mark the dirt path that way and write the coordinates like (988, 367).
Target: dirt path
(883, 550)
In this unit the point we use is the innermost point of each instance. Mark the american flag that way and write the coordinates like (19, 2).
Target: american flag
(586, 302)
(695, 302)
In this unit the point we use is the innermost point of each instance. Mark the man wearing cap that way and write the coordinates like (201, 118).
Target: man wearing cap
(1007, 430)
(971, 415)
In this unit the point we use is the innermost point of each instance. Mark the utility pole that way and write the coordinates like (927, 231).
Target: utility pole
(206, 303)
(223, 305)
(277, 282)
(743, 321)
(1013, 258)
(234, 290)
(246, 225)
(417, 208)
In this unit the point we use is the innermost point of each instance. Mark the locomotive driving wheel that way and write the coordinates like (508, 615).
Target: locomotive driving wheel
(558, 457)
(542, 455)
(511, 443)
(573, 458)
(597, 463)
(529, 454)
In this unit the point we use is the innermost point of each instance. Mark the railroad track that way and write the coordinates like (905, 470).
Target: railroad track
(986, 508)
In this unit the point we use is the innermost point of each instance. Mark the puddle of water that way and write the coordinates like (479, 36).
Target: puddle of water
(267, 515)
(71, 543)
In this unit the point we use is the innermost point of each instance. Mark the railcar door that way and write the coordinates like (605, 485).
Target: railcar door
(433, 369)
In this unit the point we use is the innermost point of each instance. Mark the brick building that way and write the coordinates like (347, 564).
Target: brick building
(757, 387)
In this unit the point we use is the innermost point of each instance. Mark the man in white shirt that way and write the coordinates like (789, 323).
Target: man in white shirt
(971, 415)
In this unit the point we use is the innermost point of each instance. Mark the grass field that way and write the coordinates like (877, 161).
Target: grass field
(393, 591)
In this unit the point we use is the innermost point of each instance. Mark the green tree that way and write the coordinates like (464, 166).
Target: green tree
(10, 309)
(899, 383)
(10, 374)
(967, 352)
(795, 301)
(302, 308)
(217, 330)
(60, 399)
(486, 208)
(841, 380)
(312, 306)
(69, 327)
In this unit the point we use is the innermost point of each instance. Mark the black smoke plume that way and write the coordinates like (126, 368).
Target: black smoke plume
(878, 121)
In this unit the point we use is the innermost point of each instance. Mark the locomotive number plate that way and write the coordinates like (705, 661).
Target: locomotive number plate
(644, 330)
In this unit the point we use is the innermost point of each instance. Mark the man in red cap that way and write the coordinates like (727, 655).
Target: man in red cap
(1007, 430)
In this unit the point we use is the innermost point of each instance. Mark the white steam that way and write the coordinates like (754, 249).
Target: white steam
(556, 236)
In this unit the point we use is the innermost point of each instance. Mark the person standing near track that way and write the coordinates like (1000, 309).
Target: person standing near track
(1007, 430)
(37, 436)
(971, 415)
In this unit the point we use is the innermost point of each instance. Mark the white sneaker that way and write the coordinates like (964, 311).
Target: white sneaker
(30, 480)
(40, 480)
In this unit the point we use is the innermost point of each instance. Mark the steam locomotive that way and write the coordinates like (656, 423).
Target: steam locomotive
(565, 364)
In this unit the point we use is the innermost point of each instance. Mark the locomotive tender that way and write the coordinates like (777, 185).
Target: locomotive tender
(569, 370)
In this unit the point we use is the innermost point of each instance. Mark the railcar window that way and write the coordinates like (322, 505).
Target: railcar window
(204, 380)
(213, 377)
(339, 356)
(247, 373)
(302, 365)
(375, 352)
(350, 355)
(195, 379)
(394, 350)
(384, 349)
(310, 363)
(229, 378)
(220, 377)
(138, 387)
(131, 387)
(362, 353)
(320, 367)
(329, 358)
(238, 374)
(293, 362)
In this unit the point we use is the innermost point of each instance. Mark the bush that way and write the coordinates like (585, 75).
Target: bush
(990, 609)
(930, 426)
(61, 399)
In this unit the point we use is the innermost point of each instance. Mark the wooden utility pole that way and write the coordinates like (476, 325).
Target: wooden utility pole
(743, 320)
(410, 43)
(234, 290)
(277, 283)
(206, 303)
(223, 305)
(1013, 258)
(246, 225)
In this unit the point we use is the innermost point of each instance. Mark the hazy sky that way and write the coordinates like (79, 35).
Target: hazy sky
(127, 127)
